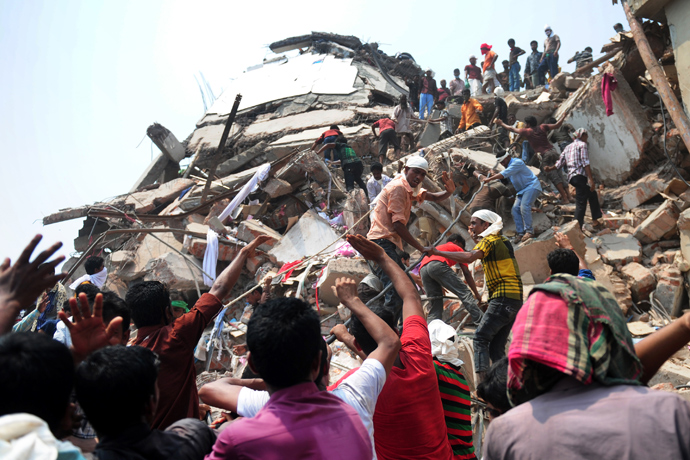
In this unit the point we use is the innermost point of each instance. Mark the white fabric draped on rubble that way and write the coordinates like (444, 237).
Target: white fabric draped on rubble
(211, 254)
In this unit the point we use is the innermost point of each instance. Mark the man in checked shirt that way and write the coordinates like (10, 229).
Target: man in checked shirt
(576, 158)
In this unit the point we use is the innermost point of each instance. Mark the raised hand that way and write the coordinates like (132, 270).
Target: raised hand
(258, 241)
(448, 182)
(88, 331)
(368, 249)
(346, 290)
(562, 241)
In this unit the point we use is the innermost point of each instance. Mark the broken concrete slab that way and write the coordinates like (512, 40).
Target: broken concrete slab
(355, 269)
(618, 248)
(301, 121)
(152, 172)
(147, 201)
(197, 247)
(249, 230)
(659, 225)
(277, 187)
(540, 222)
(308, 236)
(642, 191)
(174, 271)
(641, 280)
(531, 256)
(671, 372)
(670, 291)
(166, 142)
(522, 109)
(131, 264)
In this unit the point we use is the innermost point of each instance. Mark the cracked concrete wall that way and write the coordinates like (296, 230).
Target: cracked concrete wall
(678, 17)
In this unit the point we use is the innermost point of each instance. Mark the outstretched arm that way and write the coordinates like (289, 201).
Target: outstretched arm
(500, 123)
(556, 125)
(226, 280)
(412, 303)
(224, 393)
(466, 257)
(341, 333)
(387, 341)
(658, 347)
(440, 196)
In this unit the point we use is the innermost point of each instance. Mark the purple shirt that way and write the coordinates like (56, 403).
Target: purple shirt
(299, 422)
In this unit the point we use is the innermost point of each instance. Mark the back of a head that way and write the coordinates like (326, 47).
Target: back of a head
(114, 306)
(334, 127)
(531, 121)
(563, 261)
(253, 285)
(36, 378)
(493, 389)
(552, 121)
(148, 301)
(93, 264)
(361, 334)
(283, 337)
(457, 239)
(89, 289)
(114, 385)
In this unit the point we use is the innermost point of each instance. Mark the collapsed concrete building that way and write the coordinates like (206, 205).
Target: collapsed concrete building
(257, 146)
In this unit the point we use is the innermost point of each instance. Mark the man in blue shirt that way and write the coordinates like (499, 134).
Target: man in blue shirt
(528, 189)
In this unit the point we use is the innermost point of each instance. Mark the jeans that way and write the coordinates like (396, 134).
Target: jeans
(426, 100)
(393, 301)
(538, 78)
(437, 275)
(583, 194)
(353, 173)
(549, 63)
(327, 152)
(522, 209)
(514, 77)
(528, 153)
(492, 334)
(388, 136)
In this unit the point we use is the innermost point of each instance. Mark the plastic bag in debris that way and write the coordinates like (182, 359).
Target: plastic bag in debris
(346, 250)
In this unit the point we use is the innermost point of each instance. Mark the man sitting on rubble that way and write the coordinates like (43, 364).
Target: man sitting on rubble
(117, 389)
(392, 213)
(575, 380)
(299, 421)
(502, 279)
(174, 342)
(537, 137)
(470, 111)
(386, 136)
(328, 137)
(437, 275)
(527, 187)
(377, 181)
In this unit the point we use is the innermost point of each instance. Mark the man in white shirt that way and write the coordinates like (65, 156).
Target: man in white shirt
(376, 182)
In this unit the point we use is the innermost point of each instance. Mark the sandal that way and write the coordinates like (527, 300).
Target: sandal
(527, 236)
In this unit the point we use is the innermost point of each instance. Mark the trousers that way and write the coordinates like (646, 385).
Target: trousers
(392, 301)
(353, 174)
(583, 195)
(522, 210)
(549, 63)
(437, 275)
(425, 101)
(388, 136)
(514, 77)
(492, 334)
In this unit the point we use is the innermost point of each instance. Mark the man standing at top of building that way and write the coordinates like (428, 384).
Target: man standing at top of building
(532, 71)
(514, 65)
(456, 85)
(549, 61)
(428, 95)
(392, 212)
(490, 58)
(473, 74)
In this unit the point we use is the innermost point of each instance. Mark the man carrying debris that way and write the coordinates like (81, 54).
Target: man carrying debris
(402, 115)
(515, 52)
(377, 181)
(549, 61)
(537, 136)
(470, 111)
(473, 75)
(576, 158)
(392, 213)
(386, 136)
(429, 94)
(437, 274)
(528, 189)
(328, 137)
(532, 71)
(502, 279)
(490, 58)
(351, 163)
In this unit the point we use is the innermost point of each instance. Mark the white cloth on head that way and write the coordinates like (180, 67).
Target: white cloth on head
(492, 218)
(415, 161)
(25, 436)
(97, 279)
(443, 346)
(547, 27)
(578, 134)
(472, 56)
(210, 257)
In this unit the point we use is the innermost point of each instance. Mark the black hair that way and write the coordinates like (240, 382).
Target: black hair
(531, 121)
(505, 62)
(361, 334)
(92, 264)
(494, 388)
(334, 127)
(510, 40)
(148, 301)
(466, 90)
(89, 289)
(283, 337)
(552, 121)
(251, 285)
(114, 385)
(456, 70)
(114, 306)
(563, 261)
(457, 239)
(376, 166)
(534, 41)
(405, 255)
(324, 360)
(37, 377)
(66, 307)
(588, 48)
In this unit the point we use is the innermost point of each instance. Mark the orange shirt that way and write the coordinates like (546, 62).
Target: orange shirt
(393, 205)
(489, 57)
(469, 113)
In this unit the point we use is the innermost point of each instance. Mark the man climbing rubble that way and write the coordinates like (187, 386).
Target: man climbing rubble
(386, 136)
(392, 213)
(350, 163)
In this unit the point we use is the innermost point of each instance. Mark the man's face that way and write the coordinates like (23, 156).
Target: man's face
(511, 119)
(548, 32)
(377, 174)
(443, 83)
(505, 65)
(405, 262)
(505, 161)
(456, 73)
(473, 61)
(534, 46)
(414, 176)
(477, 226)
(177, 312)
(584, 138)
(253, 298)
(428, 73)
(465, 96)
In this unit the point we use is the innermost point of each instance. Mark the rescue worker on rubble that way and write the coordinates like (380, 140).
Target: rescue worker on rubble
(392, 213)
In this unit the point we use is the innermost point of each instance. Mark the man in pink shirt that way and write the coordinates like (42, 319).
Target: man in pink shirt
(299, 421)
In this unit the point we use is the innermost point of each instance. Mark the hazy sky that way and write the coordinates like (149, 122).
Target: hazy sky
(82, 80)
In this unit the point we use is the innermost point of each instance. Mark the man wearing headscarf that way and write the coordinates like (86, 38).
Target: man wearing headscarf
(549, 60)
(490, 58)
(502, 279)
(392, 213)
(576, 159)
(575, 379)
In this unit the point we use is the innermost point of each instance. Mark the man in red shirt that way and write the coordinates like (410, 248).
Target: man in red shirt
(428, 94)
(174, 342)
(328, 137)
(386, 135)
(437, 274)
(473, 74)
(409, 421)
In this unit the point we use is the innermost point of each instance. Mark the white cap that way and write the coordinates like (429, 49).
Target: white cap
(416, 161)
(472, 56)
(499, 91)
(428, 69)
(547, 27)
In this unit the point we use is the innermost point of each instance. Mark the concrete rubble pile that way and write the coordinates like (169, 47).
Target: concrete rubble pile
(158, 231)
